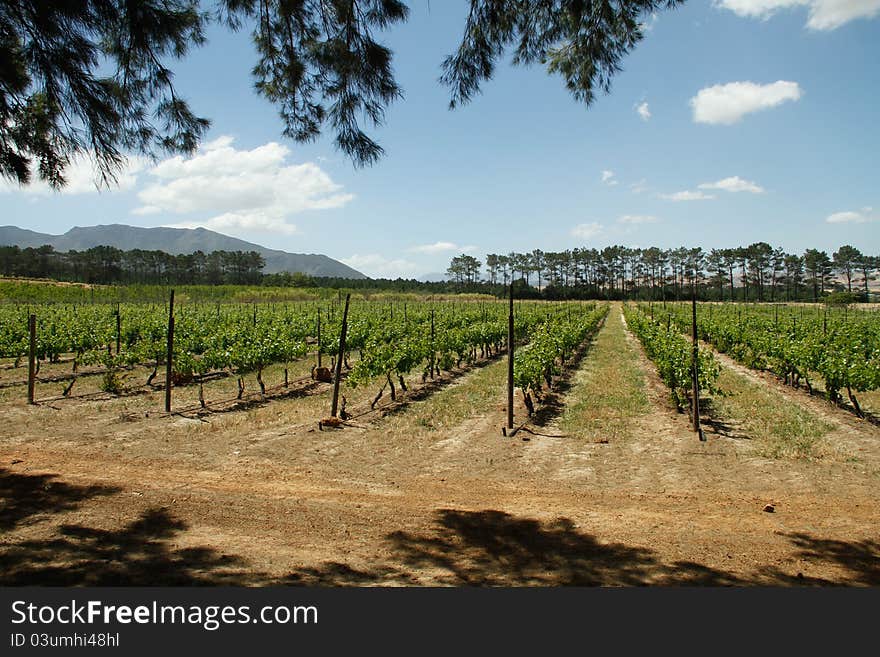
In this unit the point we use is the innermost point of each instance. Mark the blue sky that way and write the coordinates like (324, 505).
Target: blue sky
(733, 122)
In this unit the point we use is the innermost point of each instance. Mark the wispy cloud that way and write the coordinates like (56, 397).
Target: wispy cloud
(82, 177)
(375, 265)
(643, 111)
(608, 178)
(726, 104)
(823, 14)
(442, 247)
(640, 186)
(734, 184)
(242, 223)
(687, 195)
(587, 231)
(637, 219)
(648, 25)
(864, 216)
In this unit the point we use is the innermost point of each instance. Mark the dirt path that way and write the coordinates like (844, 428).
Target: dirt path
(432, 494)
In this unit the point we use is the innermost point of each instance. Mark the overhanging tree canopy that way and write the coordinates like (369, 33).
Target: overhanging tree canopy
(93, 76)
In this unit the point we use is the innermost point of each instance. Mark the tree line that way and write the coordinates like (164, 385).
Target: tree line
(108, 265)
(758, 272)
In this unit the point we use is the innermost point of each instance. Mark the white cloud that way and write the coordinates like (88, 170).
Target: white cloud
(442, 247)
(586, 231)
(762, 9)
(241, 222)
(608, 178)
(864, 216)
(643, 111)
(726, 104)
(831, 14)
(377, 266)
(734, 184)
(82, 178)
(687, 196)
(823, 14)
(637, 219)
(649, 24)
(240, 190)
(221, 142)
(146, 209)
(639, 187)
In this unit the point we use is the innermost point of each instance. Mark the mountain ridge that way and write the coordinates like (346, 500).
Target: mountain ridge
(175, 241)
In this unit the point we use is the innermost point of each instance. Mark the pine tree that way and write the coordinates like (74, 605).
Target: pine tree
(94, 78)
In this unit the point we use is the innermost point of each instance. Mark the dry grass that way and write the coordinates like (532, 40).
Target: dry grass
(474, 395)
(778, 427)
(609, 388)
(869, 401)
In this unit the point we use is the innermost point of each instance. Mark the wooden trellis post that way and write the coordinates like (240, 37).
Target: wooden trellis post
(695, 379)
(510, 340)
(169, 356)
(319, 337)
(32, 357)
(338, 374)
(118, 328)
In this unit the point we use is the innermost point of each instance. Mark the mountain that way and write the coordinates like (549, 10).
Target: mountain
(175, 241)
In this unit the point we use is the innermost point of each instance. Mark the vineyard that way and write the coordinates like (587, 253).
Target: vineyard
(211, 341)
(257, 476)
(672, 354)
(840, 351)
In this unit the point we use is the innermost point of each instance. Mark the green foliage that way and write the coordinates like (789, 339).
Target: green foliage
(390, 338)
(108, 265)
(672, 353)
(583, 42)
(111, 382)
(46, 292)
(94, 76)
(842, 347)
(89, 77)
(319, 63)
(462, 333)
(841, 298)
(551, 342)
(464, 269)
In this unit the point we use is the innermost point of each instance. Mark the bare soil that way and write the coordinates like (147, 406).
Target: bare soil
(96, 492)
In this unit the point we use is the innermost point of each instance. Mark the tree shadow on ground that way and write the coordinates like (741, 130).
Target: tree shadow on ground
(711, 418)
(462, 548)
(493, 548)
(860, 560)
(26, 496)
(141, 553)
(841, 402)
